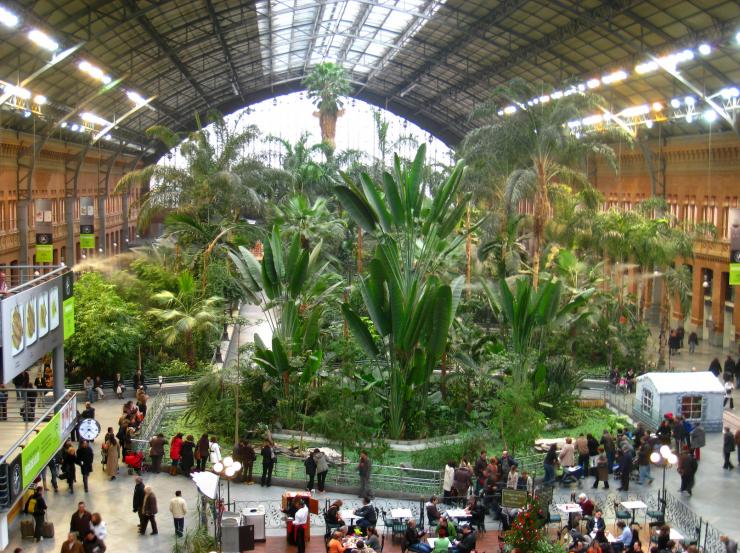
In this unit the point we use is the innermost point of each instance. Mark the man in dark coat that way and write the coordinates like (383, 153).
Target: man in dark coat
(625, 467)
(268, 463)
(138, 497)
(85, 460)
(728, 446)
(80, 521)
(687, 469)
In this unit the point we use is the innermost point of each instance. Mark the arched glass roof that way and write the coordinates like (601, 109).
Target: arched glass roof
(130, 64)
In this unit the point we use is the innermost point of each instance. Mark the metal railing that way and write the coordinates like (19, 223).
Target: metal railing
(22, 405)
(20, 277)
(156, 409)
(152, 382)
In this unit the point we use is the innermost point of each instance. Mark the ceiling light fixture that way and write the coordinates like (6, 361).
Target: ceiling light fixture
(509, 110)
(94, 71)
(593, 83)
(17, 91)
(635, 111)
(710, 116)
(705, 49)
(39, 99)
(647, 67)
(135, 97)
(690, 100)
(43, 40)
(675, 103)
(657, 106)
(94, 119)
(615, 77)
(8, 18)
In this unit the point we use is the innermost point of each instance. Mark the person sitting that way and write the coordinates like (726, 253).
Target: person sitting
(664, 537)
(467, 541)
(335, 543)
(597, 523)
(332, 517)
(433, 514)
(413, 539)
(624, 541)
(447, 528)
(442, 545)
(587, 506)
(373, 539)
(367, 514)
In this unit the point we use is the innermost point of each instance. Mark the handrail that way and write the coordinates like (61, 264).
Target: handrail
(68, 395)
(42, 277)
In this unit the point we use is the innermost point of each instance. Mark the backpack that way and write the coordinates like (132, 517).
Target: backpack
(31, 506)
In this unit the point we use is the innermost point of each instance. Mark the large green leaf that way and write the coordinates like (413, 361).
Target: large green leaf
(375, 201)
(414, 185)
(390, 187)
(442, 317)
(298, 274)
(270, 280)
(311, 330)
(358, 210)
(277, 254)
(373, 294)
(281, 359)
(360, 331)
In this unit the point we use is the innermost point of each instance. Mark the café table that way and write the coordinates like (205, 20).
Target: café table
(399, 514)
(569, 508)
(609, 537)
(458, 514)
(633, 506)
(349, 516)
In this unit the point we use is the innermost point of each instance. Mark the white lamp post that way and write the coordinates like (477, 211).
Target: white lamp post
(664, 458)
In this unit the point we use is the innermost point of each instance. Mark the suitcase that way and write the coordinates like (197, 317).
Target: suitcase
(47, 530)
(27, 528)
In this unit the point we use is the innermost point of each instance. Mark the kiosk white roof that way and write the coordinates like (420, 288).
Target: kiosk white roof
(675, 383)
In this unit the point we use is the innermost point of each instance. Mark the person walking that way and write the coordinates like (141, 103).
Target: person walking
(730, 545)
(698, 440)
(179, 509)
(310, 465)
(89, 386)
(625, 468)
(98, 526)
(85, 460)
(268, 464)
(248, 468)
(111, 459)
(72, 545)
(729, 387)
(364, 469)
(139, 499)
(156, 452)
(737, 444)
(93, 544)
(214, 451)
(201, 452)
(643, 463)
(728, 446)
(322, 468)
(601, 472)
(69, 460)
(175, 453)
(693, 342)
(36, 507)
(687, 469)
(187, 455)
(81, 520)
(148, 511)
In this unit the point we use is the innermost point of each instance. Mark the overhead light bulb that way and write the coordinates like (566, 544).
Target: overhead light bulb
(675, 103)
(40, 99)
(690, 100)
(705, 49)
(615, 77)
(657, 106)
(728, 93)
(649, 123)
(508, 110)
(63, 125)
(17, 91)
(646, 67)
(135, 97)
(556, 95)
(75, 127)
(689, 117)
(710, 116)
(634, 111)
(237, 466)
(92, 118)
(43, 40)
(593, 83)
(7, 18)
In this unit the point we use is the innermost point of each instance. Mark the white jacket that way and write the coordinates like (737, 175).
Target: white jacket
(178, 507)
(448, 478)
(215, 450)
(100, 530)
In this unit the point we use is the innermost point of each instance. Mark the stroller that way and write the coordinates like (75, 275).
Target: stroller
(135, 462)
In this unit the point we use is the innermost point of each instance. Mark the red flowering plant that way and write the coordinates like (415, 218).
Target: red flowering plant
(527, 530)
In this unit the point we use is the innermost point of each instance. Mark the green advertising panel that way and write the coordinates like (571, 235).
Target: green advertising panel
(735, 274)
(68, 308)
(87, 241)
(40, 449)
(44, 253)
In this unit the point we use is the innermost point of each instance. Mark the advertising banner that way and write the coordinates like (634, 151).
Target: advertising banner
(87, 223)
(44, 231)
(734, 224)
(68, 304)
(31, 324)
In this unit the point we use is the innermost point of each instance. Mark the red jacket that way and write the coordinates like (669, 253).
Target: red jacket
(175, 447)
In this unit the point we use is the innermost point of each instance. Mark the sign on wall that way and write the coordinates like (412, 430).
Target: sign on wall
(734, 224)
(44, 231)
(87, 223)
(33, 323)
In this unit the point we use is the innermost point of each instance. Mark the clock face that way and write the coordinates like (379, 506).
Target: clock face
(16, 480)
(736, 256)
(89, 429)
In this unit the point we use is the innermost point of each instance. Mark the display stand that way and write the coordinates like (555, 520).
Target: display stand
(313, 508)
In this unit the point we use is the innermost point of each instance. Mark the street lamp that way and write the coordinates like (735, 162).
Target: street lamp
(225, 469)
(664, 457)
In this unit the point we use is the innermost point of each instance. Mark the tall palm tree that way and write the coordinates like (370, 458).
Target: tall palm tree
(311, 221)
(326, 85)
(304, 163)
(536, 148)
(186, 314)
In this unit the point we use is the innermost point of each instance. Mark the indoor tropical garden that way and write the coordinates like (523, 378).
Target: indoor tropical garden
(411, 298)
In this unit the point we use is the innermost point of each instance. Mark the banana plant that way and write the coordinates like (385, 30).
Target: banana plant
(292, 287)
(404, 290)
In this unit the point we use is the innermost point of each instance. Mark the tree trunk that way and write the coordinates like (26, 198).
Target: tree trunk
(190, 349)
(328, 124)
(468, 241)
(539, 218)
(443, 377)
